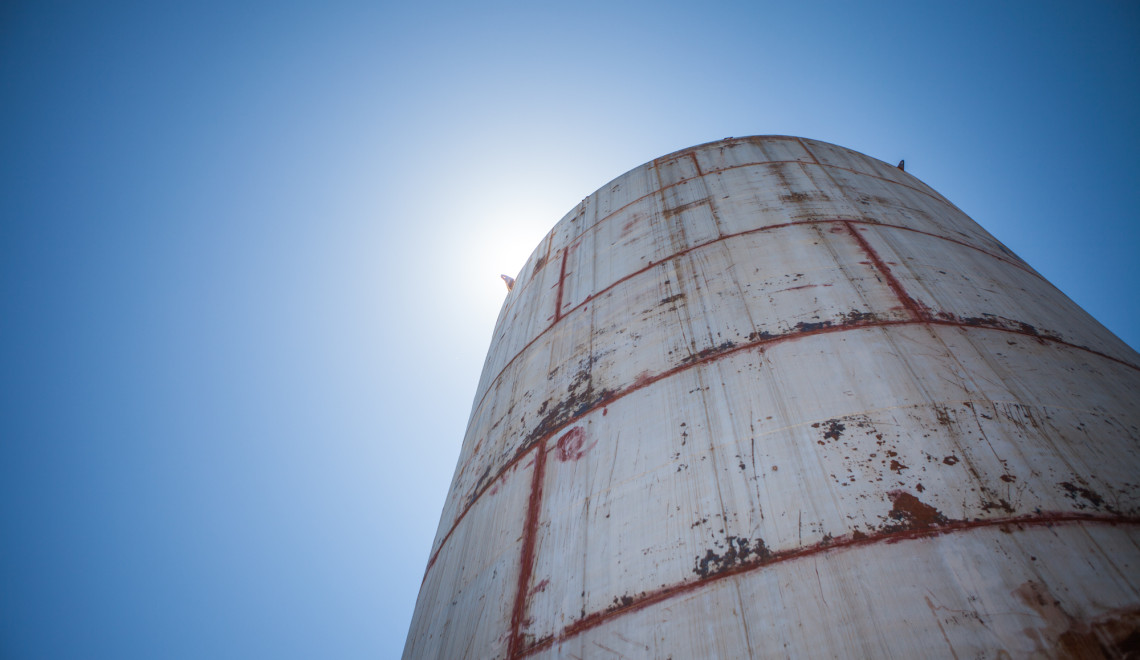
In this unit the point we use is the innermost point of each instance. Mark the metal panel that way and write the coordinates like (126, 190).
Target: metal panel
(814, 606)
(771, 397)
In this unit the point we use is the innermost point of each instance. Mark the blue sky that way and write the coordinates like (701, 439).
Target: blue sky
(249, 258)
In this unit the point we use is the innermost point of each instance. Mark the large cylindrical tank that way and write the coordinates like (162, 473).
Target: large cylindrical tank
(769, 397)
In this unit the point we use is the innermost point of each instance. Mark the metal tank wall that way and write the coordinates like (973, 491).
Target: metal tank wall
(769, 397)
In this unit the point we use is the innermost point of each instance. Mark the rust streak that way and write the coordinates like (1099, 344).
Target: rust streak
(809, 151)
(561, 286)
(833, 545)
(913, 307)
(526, 566)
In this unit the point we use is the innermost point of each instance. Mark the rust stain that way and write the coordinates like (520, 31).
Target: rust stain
(916, 310)
(696, 163)
(628, 226)
(911, 513)
(678, 210)
(541, 586)
(572, 445)
(561, 288)
(1110, 636)
(943, 415)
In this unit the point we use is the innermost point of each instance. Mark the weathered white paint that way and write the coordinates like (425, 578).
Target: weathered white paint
(770, 397)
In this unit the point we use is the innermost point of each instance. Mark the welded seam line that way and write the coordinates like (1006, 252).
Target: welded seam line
(712, 357)
(530, 533)
(1033, 520)
(663, 187)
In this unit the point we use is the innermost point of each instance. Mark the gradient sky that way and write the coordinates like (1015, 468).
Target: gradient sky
(249, 257)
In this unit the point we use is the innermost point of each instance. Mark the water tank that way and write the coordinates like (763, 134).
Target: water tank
(770, 397)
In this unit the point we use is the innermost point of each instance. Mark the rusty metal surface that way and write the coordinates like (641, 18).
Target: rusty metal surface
(768, 382)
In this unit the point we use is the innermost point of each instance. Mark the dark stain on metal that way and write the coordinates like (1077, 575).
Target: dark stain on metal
(995, 321)
(723, 347)
(581, 398)
(480, 485)
(1072, 492)
(795, 197)
(620, 602)
(835, 429)
(809, 327)
(738, 552)
(1112, 635)
(950, 460)
(1001, 504)
(855, 317)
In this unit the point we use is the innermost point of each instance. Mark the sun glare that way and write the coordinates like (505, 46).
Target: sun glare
(501, 245)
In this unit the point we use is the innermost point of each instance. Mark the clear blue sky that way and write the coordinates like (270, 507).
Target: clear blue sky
(249, 257)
